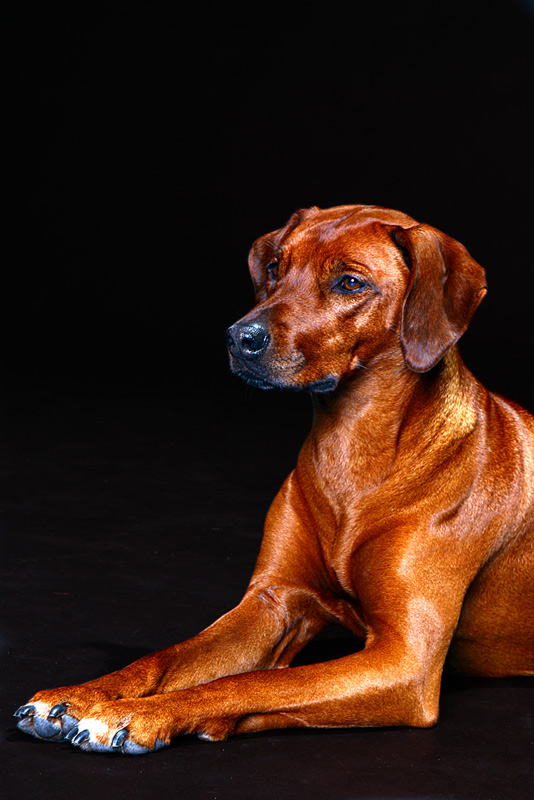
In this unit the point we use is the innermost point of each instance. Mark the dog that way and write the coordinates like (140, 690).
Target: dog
(408, 519)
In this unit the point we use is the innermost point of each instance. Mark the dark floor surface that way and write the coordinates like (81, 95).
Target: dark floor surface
(130, 523)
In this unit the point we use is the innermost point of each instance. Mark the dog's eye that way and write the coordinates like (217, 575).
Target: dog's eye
(272, 270)
(349, 284)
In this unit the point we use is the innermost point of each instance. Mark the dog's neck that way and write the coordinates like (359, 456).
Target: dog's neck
(363, 423)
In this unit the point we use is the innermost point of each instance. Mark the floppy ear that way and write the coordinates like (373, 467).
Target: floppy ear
(445, 288)
(266, 248)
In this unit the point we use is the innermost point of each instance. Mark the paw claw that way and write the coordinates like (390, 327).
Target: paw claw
(119, 738)
(80, 737)
(72, 733)
(25, 711)
(57, 711)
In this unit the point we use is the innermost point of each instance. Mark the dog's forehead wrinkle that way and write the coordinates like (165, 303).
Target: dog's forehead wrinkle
(356, 216)
(378, 261)
(319, 254)
(333, 223)
(342, 236)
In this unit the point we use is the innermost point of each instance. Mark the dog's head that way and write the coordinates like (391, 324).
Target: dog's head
(340, 288)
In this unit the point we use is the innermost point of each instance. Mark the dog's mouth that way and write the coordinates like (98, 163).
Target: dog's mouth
(258, 380)
(324, 385)
(255, 380)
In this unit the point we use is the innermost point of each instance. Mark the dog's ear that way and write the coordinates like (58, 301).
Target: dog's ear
(266, 248)
(446, 286)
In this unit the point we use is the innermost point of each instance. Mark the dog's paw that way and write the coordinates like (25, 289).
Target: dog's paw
(49, 723)
(119, 727)
(79, 715)
(52, 714)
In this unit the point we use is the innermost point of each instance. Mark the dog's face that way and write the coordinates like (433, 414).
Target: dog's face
(332, 289)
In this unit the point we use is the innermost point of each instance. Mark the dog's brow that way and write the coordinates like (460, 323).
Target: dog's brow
(276, 248)
(342, 264)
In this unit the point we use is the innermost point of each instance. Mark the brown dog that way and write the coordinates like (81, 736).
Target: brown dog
(409, 518)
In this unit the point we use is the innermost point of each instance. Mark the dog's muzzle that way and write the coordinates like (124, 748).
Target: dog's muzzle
(248, 342)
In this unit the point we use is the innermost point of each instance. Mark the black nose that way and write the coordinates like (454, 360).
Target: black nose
(247, 339)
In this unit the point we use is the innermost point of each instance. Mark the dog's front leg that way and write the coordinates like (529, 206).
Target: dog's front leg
(411, 614)
(379, 686)
(278, 615)
(264, 631)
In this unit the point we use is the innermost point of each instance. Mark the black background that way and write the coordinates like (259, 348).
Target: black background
(155, 147)
(153, 143)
